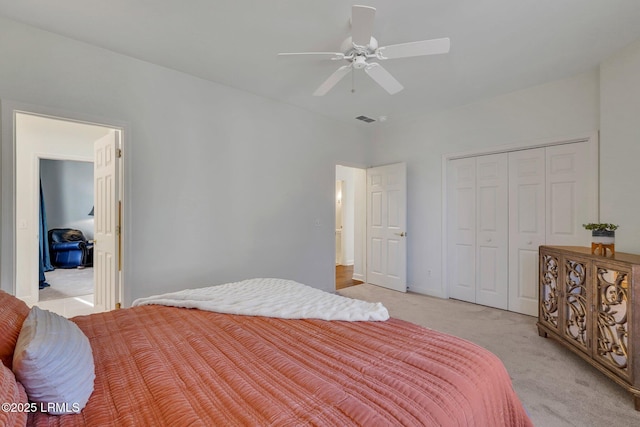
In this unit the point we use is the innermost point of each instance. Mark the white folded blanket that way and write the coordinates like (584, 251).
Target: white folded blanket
(281, 298)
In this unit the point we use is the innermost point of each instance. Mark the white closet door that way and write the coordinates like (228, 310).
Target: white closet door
(526, 227)
(570, 194)
(502, 207)
(492, 236)
(461, 247)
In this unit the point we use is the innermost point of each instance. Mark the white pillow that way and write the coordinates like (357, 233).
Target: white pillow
(54, 362)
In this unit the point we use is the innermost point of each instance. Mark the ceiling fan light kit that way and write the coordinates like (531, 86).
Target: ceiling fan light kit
(361, 46)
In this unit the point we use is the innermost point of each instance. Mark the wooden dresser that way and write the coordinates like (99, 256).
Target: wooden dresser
(591, 305)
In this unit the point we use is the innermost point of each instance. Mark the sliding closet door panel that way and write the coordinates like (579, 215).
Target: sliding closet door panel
(492, 230)
(568, 194)
(461, 245)
(501, 208)
(526, 227)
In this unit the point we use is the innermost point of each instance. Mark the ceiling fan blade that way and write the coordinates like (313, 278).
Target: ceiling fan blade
(383, 78)
(362, 24)
(332, 80)
(404, 50)
(335, 55)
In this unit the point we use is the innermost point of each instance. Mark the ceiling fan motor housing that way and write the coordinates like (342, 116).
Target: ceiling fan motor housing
(349, 48)
(359, 62)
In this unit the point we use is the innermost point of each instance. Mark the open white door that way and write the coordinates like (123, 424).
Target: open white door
(106, 223)
(386, 226)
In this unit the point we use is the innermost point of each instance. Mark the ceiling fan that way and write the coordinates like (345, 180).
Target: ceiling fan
(361, 46)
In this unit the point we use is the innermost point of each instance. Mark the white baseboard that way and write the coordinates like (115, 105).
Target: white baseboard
(428, 292)
(359, 277)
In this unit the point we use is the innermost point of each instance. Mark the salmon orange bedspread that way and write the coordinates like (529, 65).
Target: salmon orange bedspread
(168, 366)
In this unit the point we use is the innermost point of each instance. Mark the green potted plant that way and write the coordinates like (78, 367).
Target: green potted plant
(602, 232)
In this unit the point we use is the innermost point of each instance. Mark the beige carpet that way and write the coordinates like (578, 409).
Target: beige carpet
(556, 387)
(67, 283)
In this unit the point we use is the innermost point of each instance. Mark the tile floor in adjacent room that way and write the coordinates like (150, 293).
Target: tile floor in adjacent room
(70, 292)
(70, 307)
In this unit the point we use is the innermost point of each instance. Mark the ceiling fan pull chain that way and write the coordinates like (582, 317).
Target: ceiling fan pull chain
(353, 81)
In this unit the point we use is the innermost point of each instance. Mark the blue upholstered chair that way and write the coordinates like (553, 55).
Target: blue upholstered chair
(69, 248)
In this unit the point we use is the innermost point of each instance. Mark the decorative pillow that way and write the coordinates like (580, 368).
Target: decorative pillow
(12, 313)
(14, 401)
(54, 362)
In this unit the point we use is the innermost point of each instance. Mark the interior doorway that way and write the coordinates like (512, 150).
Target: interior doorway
(67, 229)
(350, 226)
(51, 150)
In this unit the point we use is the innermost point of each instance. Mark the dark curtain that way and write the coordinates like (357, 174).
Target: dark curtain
(45, 259)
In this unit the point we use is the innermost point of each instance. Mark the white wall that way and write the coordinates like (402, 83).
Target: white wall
(67, 187)
(347, 175)
(620, 145)
(221, 185)
(560, 109)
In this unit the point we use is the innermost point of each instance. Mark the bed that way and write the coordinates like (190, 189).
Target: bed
(167, 365)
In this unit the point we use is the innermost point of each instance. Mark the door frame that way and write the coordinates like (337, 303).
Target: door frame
(360, 207)
(8, 111)
(594, 146)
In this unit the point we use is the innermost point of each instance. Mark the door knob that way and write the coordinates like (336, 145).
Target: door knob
(403, 234)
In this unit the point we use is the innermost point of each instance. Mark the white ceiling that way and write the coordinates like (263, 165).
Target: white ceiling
(497, 46)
